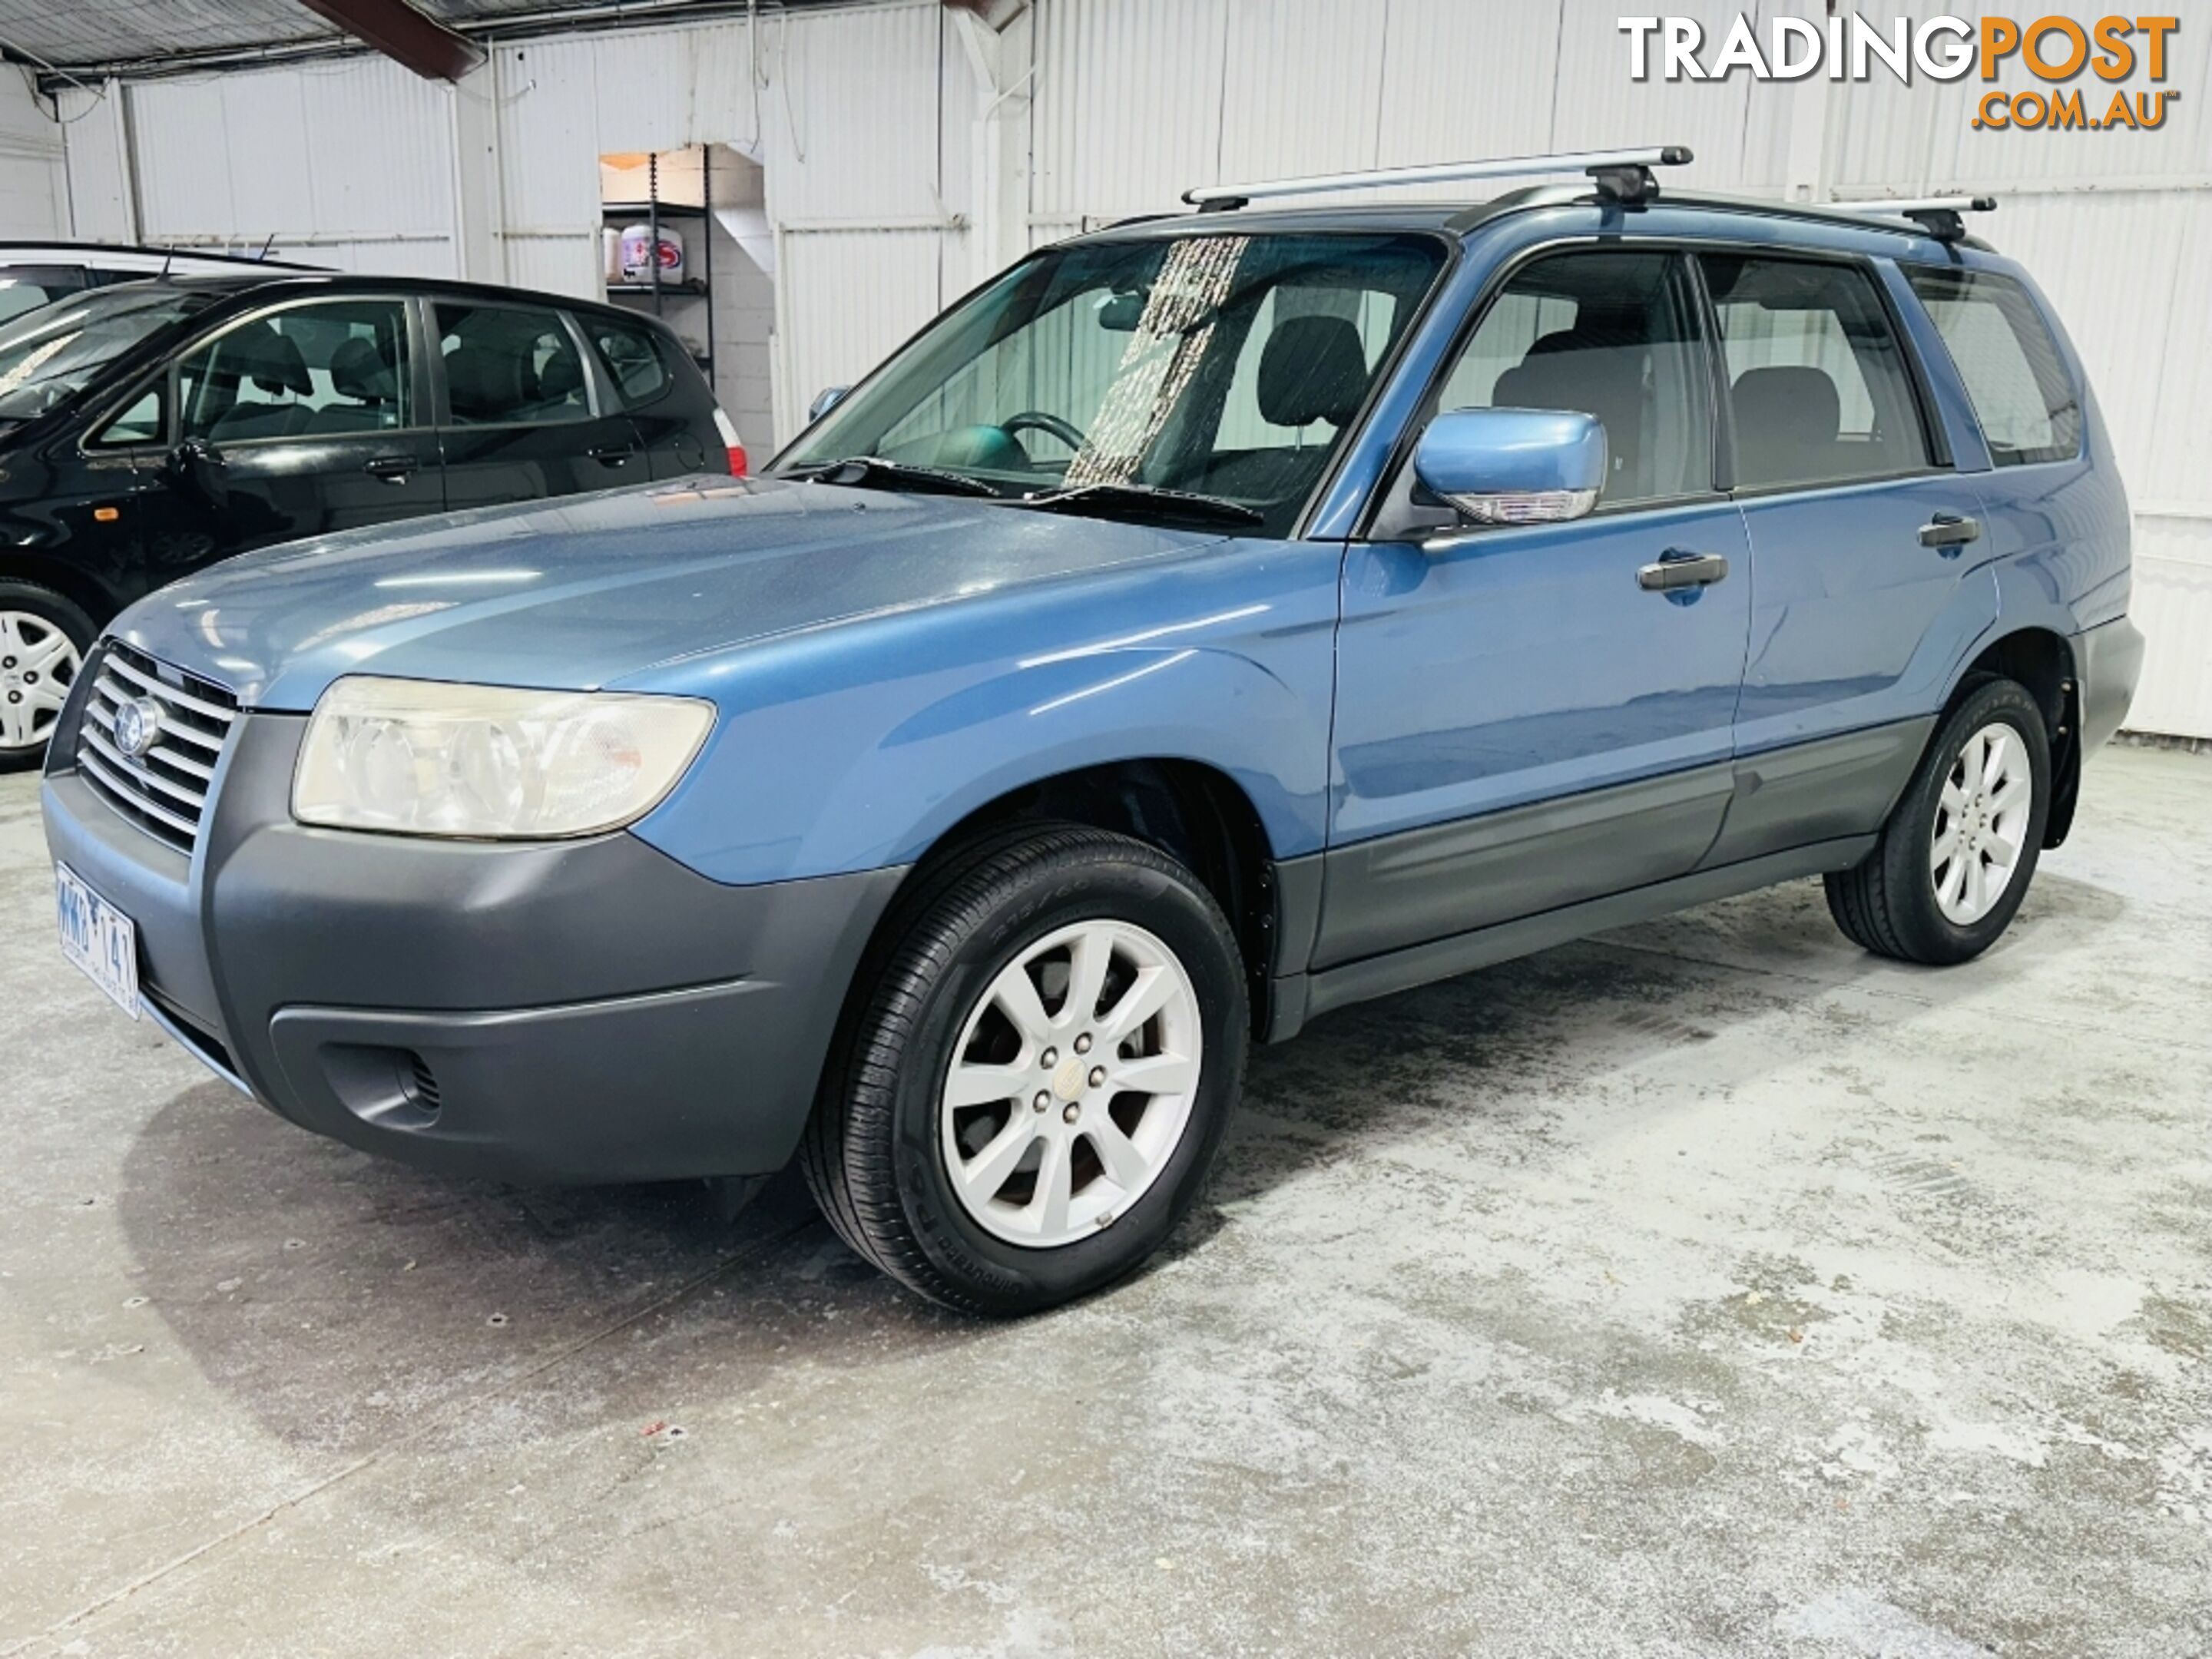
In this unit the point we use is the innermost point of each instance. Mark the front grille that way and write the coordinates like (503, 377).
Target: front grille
(163, 791)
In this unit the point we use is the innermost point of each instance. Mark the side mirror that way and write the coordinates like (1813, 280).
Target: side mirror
(196, 465)
(824, 401)
(1514, 466)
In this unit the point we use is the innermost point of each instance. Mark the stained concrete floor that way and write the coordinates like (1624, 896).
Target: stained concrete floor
(1708, 1289)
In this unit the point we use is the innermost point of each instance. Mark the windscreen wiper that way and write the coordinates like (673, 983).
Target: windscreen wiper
(874, 472)
(1136, 500)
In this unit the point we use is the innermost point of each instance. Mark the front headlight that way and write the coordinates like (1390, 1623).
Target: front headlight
(419, 757)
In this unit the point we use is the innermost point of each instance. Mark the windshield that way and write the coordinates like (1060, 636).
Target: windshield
(1222, 365)
(52, 353)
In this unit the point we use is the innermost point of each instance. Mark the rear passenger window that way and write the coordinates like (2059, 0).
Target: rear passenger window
(510, 366)
(1818, 385)
(631, 354)
(337, 366)
(2021, 393)
(1612, 335)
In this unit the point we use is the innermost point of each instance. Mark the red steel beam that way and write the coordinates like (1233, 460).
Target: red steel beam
(404, 35)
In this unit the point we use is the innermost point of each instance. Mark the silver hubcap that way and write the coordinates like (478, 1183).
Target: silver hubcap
(38, 665)
(1981, 824)
(1071, 1084)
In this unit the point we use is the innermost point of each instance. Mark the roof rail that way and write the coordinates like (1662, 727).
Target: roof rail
(1936, 215)
(1622, 175)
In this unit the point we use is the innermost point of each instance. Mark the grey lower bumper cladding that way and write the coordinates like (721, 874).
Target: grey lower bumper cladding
(579, 1011)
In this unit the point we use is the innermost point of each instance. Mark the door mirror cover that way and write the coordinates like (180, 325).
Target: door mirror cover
(196, 465)
(825, 400)
(1514, 466)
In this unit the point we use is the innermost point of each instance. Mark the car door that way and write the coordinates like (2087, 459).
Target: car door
(1522, 721)
(524, 417)
(297, 421)
(1861, 537)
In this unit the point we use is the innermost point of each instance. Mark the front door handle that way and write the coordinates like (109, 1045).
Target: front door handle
(1950, 529)
(1676, 570)
(393, 469)
(612, 455)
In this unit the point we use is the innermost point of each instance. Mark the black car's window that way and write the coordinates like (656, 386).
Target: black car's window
(1220, 364)
(56, 351)
(2014, 378)
(1612, 335)
(26, 288)
(1819, 389)
(631, 353)
(327, 367)
(510, 366)
(137, 422)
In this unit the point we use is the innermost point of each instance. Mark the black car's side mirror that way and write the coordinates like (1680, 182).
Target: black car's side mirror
(197, 465)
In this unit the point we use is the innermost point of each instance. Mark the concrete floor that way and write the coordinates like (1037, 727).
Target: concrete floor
(1708, 1289)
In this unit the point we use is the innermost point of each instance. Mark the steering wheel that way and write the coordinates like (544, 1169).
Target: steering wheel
(1036, 420)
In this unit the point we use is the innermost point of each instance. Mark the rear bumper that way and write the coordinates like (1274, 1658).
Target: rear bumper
(579, 1011)
(2108, 662)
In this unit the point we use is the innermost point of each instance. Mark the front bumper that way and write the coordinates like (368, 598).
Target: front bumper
(576, 1011)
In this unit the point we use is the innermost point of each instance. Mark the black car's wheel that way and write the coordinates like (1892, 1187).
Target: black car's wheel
(1028, 1099)
(43, 639)
(1961, 847)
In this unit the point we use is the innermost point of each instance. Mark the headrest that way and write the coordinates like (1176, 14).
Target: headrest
(271, 361)
(563, 373)
(482, 385)
(1787, 419)
(358, 371)
(1313, 369)
(1595, 372)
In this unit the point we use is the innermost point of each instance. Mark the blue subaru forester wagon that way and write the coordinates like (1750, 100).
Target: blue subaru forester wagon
(1208, 622)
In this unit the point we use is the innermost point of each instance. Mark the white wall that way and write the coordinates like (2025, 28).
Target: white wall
(34, 186)
(890, 193)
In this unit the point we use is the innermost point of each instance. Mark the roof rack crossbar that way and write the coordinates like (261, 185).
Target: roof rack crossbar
(1622, 175)
(1939, 215)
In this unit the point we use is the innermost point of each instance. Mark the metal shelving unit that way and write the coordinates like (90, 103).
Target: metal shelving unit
(691, 289)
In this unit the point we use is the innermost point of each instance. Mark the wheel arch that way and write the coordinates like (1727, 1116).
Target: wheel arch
(2041, 660)
(1194, 812)
(79, 587)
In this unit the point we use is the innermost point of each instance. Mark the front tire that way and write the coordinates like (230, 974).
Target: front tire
(43, 640)
(1028, 1102)
(1960, 848)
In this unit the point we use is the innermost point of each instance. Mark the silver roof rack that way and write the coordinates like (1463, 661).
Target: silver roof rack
(1622, 175)
(1939, 215)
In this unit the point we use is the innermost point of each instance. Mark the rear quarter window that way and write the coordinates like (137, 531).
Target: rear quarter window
(2003, 351)
(633, 356)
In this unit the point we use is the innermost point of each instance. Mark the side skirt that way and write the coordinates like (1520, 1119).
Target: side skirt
(1300, 997)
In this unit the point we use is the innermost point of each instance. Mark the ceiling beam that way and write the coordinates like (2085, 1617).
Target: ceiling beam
(404, 35)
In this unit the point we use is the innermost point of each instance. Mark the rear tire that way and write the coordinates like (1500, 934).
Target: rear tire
(1006, 1203)
(43, 640)
(1960, 848)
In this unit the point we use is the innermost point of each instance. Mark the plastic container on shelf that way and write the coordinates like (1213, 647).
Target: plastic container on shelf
(636, 266)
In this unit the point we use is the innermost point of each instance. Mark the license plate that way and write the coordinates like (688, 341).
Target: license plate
(98, 938)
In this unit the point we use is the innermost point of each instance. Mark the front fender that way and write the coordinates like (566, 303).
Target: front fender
(854, 747)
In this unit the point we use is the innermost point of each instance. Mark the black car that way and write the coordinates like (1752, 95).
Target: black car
(149, 429)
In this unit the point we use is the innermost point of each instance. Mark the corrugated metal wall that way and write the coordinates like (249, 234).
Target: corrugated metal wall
(33, 188)
(863, 119)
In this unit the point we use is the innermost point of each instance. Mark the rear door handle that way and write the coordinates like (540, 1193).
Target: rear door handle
(1676, 570)
(393, 469)
(1950, 529)
(611, 455)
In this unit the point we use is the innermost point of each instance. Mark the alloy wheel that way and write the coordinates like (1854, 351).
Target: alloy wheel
(1982, 815)
(1071, 1084)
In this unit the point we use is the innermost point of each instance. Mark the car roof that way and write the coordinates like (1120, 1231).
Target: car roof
(1460, 218)
(95, 254)
(272, 284)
